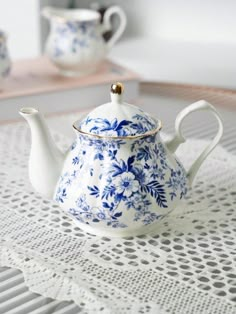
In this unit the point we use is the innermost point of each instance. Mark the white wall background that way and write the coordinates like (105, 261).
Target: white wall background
(20, 19)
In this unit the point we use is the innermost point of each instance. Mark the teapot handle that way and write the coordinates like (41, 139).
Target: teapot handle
(107, 24)
(173, 144)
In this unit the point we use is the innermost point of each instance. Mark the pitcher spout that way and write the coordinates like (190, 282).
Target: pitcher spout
(47, 12)
(46, 160)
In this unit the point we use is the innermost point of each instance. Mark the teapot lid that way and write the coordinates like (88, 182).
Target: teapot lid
(118, 119)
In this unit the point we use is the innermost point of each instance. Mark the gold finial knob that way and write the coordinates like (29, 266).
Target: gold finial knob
(117, 88)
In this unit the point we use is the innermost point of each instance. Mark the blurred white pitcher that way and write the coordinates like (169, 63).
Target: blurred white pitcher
(75, 43)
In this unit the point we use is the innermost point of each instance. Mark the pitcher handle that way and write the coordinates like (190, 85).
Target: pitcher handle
(173, 144)
(107, 24)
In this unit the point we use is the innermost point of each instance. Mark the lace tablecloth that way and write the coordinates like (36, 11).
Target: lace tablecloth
(188, 266)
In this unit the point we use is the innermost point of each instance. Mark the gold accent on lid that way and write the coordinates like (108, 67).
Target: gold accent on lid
(117, 88)
(128, 137)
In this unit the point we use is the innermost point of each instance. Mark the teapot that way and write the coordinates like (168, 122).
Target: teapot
(5, 63)
(118, 178)
(75, 43)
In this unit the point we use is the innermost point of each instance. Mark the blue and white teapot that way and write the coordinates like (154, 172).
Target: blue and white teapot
(118, 177)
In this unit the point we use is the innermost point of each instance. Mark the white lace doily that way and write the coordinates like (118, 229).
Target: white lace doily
(188, 266)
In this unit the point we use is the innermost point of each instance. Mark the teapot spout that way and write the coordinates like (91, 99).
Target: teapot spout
(46, 160)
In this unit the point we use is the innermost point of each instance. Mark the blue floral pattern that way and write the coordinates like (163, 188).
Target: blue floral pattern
(104, 188)
(138, 124)
(3, 50)
(73, 37)
(4, 58)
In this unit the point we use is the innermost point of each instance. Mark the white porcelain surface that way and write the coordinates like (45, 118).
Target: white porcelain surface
(118, 178)
(75, 43)
(46, 160)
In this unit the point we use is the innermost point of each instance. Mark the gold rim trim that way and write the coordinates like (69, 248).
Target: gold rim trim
(129, 137)
(62, 19)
